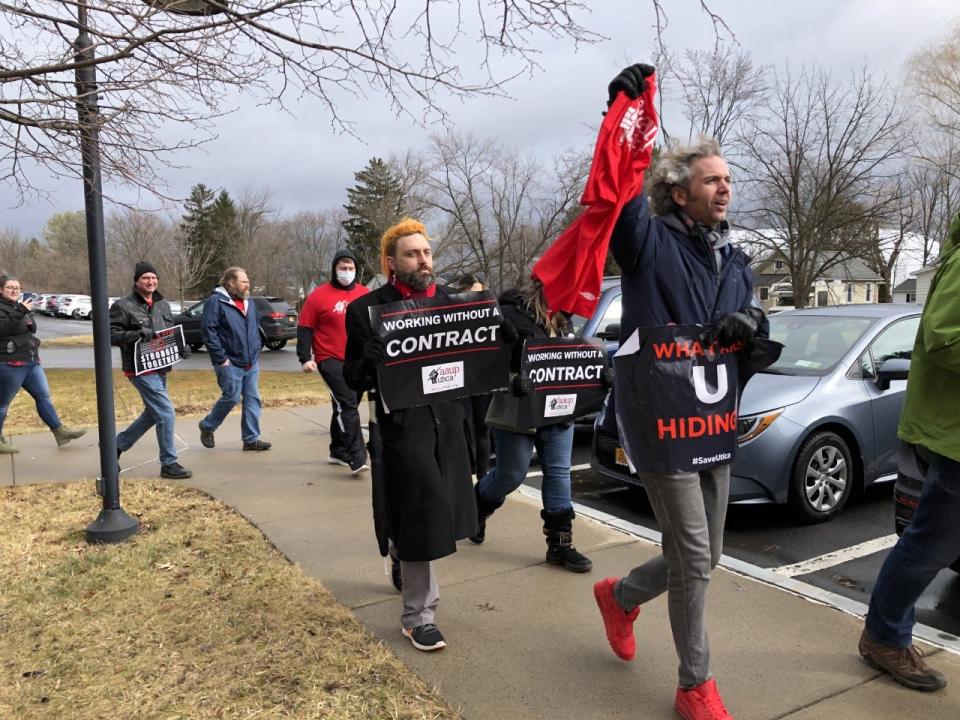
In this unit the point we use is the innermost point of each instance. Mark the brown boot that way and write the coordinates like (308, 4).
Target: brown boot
(6, 446)
(63, 434)
(905, 665)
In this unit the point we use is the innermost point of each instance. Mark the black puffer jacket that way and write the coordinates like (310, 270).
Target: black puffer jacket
(131, 313)
(18, 339)
(517, 310)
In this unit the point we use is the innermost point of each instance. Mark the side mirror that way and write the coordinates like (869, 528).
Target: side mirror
(610, 332)
(893, 369)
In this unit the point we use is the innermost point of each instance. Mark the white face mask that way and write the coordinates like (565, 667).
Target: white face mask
(345, 277)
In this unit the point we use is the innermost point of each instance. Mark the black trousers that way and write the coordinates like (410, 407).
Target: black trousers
(346, 437)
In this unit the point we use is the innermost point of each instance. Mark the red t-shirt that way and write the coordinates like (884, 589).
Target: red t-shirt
(325, 312)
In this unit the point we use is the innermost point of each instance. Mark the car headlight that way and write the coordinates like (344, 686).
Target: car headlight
(750, 426)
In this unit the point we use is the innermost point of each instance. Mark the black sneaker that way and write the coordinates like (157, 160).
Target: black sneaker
(425, 637)
(257, 446)
(175, 471)
(206, 437)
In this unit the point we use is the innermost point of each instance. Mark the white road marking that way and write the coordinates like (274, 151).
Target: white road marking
(837, 557)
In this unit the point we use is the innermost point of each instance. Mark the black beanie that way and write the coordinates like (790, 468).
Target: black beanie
(142, 268)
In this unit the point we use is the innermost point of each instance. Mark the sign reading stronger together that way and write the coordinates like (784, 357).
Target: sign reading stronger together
(440, 348)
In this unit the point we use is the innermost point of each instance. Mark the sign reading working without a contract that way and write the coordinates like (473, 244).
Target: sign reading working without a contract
(440, 348)
(161, 351)
(567, 376)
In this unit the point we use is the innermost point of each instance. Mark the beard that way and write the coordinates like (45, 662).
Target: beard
(418, 279)
(237, 293)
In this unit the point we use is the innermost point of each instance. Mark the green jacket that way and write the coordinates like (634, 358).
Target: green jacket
(931, 409)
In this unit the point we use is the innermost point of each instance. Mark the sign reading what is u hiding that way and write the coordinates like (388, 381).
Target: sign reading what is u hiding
(440, 348)
(567, 376)
(676, 400)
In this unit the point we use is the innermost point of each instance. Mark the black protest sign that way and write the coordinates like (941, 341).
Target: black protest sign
(440, 348)
(567, 376)
(161, 351)
(676, 400)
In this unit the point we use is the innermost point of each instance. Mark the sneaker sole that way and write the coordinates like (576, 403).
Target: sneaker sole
(334, 461)
(426, 648)
(571, 568)
(906, 682)
(597, 597)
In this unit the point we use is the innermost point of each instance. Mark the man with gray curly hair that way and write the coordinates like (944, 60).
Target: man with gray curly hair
(678, 267)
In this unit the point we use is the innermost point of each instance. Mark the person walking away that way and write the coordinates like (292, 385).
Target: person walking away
(929, 431)
(526, 310)
(423, 495)
(140, 316)
(230, 329)
(20, 364)
(322, 333)
(679, 267)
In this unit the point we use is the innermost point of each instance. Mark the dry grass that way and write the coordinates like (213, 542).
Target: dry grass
(69, 341)
(196, 617)
(193, 392)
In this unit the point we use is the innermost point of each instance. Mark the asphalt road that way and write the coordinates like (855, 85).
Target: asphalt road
(763, 535)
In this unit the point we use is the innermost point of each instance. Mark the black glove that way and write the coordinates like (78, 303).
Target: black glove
(146, 333)
(186, 352)
(509, 335)
(632, 81)
(607, 377)
(520, 385)
(735, 327)
(374, 351)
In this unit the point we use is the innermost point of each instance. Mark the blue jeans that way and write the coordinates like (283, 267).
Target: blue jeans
(32, 379)
(235, 382)
(554, 445)
(157, 411)
(930, 544)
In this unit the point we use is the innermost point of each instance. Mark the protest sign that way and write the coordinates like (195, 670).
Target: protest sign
(161, 351)
(676, 400)
(567, 376)
(440, 348)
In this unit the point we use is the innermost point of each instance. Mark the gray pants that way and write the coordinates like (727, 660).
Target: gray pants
(691, 509)
(421, 594)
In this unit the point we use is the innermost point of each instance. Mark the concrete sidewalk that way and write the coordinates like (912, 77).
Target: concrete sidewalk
(524, 639)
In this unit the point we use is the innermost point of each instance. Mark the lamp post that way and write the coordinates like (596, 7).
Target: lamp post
(112, 524)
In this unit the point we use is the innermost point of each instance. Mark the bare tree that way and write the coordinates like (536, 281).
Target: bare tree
(815, 168)
(184, 262)
(934, 78)
(719, 88)
(156, 64)
(310, 239)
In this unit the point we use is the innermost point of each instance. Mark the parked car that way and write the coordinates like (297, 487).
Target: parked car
(911, 471)
(48, 306)
(65, 305)
(820, 423)
(278, 322)
(81, 307)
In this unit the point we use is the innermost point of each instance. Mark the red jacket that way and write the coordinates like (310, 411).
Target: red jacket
(324, 313)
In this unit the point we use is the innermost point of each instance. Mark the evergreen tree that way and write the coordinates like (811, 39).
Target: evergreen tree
(210, 224)
(375, 203)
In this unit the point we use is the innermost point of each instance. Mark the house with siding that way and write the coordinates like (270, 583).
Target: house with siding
(850, 281)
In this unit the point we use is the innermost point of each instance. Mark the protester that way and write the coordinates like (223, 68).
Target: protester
(231, 331)
(322, 333)
(20, 364)
(930, 431)
(526, 310)
(140, 316)
(423, 499)
(478, 434)
(678, 266)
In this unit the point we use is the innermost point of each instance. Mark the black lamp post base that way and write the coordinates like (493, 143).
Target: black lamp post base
(112, 526)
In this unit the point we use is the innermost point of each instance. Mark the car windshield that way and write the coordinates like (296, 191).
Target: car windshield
(577, 323)
(813, 344)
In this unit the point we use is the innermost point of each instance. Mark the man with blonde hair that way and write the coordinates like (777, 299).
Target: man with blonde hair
(231, 331)
(423, 495)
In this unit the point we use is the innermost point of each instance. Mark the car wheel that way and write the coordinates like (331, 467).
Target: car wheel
(822, 477)
(196, 346)
(77, 315)
(276, 344)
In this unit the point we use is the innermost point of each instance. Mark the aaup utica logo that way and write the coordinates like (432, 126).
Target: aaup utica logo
(439, 378)
(559, 405)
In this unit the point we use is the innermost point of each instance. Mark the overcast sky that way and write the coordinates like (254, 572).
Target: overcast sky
(307, 166)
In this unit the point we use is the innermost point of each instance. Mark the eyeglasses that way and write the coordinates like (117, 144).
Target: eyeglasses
(15, 288)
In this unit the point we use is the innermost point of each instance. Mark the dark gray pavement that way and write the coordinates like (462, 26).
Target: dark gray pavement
(524, 639)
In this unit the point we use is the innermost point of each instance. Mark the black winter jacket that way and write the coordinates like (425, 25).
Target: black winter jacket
(131, 313)
(420, 465)
(18, 339)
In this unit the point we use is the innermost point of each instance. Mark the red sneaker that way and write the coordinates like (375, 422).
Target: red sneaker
(616, 621)
(701, 703)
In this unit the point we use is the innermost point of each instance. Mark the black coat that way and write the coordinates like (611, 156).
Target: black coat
(128, 315)
(422, 491)
(18, 340)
